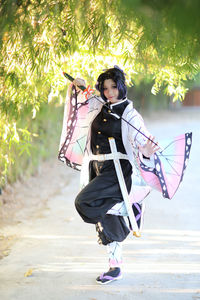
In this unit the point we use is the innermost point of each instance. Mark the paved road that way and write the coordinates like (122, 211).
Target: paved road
(64, 258)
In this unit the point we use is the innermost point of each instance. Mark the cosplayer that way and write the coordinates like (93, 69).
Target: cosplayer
(100, 200)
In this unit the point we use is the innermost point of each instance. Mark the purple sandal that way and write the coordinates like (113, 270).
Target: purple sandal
(111, 275)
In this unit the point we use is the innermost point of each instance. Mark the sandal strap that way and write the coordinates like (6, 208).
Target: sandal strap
(108, 277)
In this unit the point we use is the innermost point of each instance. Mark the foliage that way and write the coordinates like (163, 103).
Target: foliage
(152, 40)
(28, 142)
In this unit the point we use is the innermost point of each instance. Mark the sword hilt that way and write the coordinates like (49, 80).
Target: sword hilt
(81, 87)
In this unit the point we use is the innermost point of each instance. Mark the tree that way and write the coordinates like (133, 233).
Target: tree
(156, 39)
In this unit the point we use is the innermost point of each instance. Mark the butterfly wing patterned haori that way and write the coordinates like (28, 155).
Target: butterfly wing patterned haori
(74, 131)
(170, 164)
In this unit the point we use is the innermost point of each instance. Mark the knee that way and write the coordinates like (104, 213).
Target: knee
(78, 202)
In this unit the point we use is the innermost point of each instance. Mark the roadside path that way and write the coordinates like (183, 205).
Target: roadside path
(60, 252)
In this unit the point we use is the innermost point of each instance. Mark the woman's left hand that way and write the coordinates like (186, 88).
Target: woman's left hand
(150, 147)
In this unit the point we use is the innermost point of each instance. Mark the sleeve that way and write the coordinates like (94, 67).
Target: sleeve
(73, 101)
(138, 133)
(95, 102)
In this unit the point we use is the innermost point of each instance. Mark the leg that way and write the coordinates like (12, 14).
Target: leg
(95, 199)
(111, 228)
(102, 192)
(115, 262)
(119, 209)
(115, 254)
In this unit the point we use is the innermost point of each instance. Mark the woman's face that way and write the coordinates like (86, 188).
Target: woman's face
(110, 90)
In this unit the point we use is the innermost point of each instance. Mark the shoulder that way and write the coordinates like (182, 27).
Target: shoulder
(130, 110)
(132, 116)
(95, 102)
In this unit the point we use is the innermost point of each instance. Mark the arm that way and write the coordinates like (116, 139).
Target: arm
(147, 147)
(78, 82)
(93, 103)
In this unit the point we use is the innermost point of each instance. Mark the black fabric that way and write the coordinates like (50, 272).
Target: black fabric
(103, 190)
(137, 210)
(107, 125)
(112, 228)
(113, 273)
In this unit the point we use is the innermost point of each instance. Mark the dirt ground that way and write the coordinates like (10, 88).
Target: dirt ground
(27, 198)
(48, 252)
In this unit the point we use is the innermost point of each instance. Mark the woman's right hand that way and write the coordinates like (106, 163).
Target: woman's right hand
(79, 82)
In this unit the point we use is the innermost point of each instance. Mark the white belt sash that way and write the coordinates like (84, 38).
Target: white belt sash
(102, 157)
(123, 188)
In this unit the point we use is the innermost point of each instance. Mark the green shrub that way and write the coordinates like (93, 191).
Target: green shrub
(29, 141)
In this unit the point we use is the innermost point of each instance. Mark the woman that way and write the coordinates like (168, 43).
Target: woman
(100, 201)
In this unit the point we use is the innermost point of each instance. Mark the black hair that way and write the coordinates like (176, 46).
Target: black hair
(118, 76)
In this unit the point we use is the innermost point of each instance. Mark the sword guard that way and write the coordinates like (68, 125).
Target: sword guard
(137, 233)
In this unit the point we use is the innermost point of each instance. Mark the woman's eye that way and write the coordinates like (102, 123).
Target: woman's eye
(114, 87)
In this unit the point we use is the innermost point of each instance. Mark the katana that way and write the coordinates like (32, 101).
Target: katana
(123, 187)
(170, 161)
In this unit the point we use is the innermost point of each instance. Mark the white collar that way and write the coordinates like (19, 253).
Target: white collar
(114, 104)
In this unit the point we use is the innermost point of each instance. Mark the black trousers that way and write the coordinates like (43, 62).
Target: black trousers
(102, 193)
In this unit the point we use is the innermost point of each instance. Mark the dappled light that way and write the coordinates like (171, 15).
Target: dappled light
(155, 43)
(181, 257)
(46, 250)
